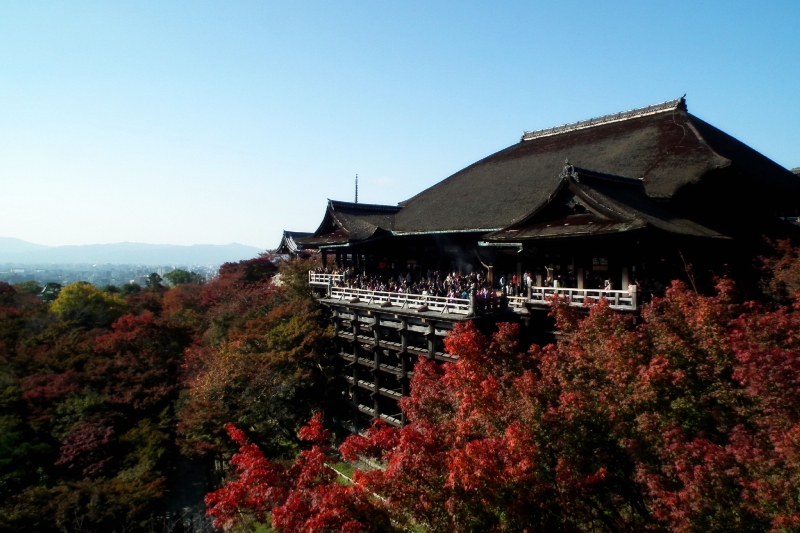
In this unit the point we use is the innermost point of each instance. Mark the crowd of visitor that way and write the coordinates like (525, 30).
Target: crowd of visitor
(432, 283)
(455, 285)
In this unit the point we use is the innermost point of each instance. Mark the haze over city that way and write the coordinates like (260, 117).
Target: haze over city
(209, 123)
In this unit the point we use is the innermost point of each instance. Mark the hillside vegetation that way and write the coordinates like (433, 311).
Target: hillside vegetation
(100, 392)
(685, 419)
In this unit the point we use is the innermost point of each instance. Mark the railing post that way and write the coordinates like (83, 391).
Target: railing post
(472, 304)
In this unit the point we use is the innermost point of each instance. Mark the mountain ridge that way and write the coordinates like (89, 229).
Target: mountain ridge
(18, 251)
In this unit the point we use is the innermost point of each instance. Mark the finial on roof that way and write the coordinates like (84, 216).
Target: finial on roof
(356, 188)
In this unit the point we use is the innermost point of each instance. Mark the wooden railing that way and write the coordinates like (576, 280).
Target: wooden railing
(414, 302)
(517, 303)
(620, 300)
(315, 278)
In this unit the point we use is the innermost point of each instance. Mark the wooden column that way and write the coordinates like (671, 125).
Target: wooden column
(376, 352)
(431, 341)
(356, 412)
(405, 363)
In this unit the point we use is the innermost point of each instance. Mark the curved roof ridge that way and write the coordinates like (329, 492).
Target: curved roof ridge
(334, 204)
(669, 105)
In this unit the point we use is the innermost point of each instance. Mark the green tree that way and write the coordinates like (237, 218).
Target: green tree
(88, 306)
(130, 288)
(180, 277)
(154, 282)
(31, 287)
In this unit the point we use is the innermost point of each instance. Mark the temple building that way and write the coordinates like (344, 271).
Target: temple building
(613, 207)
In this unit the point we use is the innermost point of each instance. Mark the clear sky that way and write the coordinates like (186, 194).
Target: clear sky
(217, 122)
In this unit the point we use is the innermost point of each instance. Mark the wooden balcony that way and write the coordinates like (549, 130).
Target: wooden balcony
(403, 301)
(620, 300)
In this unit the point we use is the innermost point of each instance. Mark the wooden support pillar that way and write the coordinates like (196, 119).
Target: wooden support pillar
(376, 383)
(625, 279)
(405, 362)
(354, 397)
(431, 335)
(404, 336)
(324, 259)
(581, 278)
(376, 353)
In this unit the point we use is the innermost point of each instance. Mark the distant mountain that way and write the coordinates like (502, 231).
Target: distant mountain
(10, 245)
(21, 252)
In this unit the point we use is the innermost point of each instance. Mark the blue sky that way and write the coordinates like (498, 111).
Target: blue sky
(217, 122)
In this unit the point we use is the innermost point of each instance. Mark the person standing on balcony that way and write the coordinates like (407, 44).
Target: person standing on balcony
(549, 281)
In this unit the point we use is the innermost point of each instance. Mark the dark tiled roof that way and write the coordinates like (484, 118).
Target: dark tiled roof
(289, 243)
(667, 148)
(350, 222)
(591, 203)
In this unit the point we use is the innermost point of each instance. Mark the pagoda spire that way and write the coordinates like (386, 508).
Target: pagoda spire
(356, 188)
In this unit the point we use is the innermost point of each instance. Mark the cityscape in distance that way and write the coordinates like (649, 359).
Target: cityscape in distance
(111, 264)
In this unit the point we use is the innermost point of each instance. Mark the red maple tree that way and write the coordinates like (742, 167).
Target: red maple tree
(304, 496)
(687, 421)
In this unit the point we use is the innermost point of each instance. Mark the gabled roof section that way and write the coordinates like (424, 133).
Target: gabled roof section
(346, 222)
(662, 145)
(289, 243)
(592, 203)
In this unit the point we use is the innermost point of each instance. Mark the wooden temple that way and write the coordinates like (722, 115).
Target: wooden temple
(613, 207)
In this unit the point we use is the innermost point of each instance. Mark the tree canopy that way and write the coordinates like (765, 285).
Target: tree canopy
(180, 277)
(100, 390)
(686, 421)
